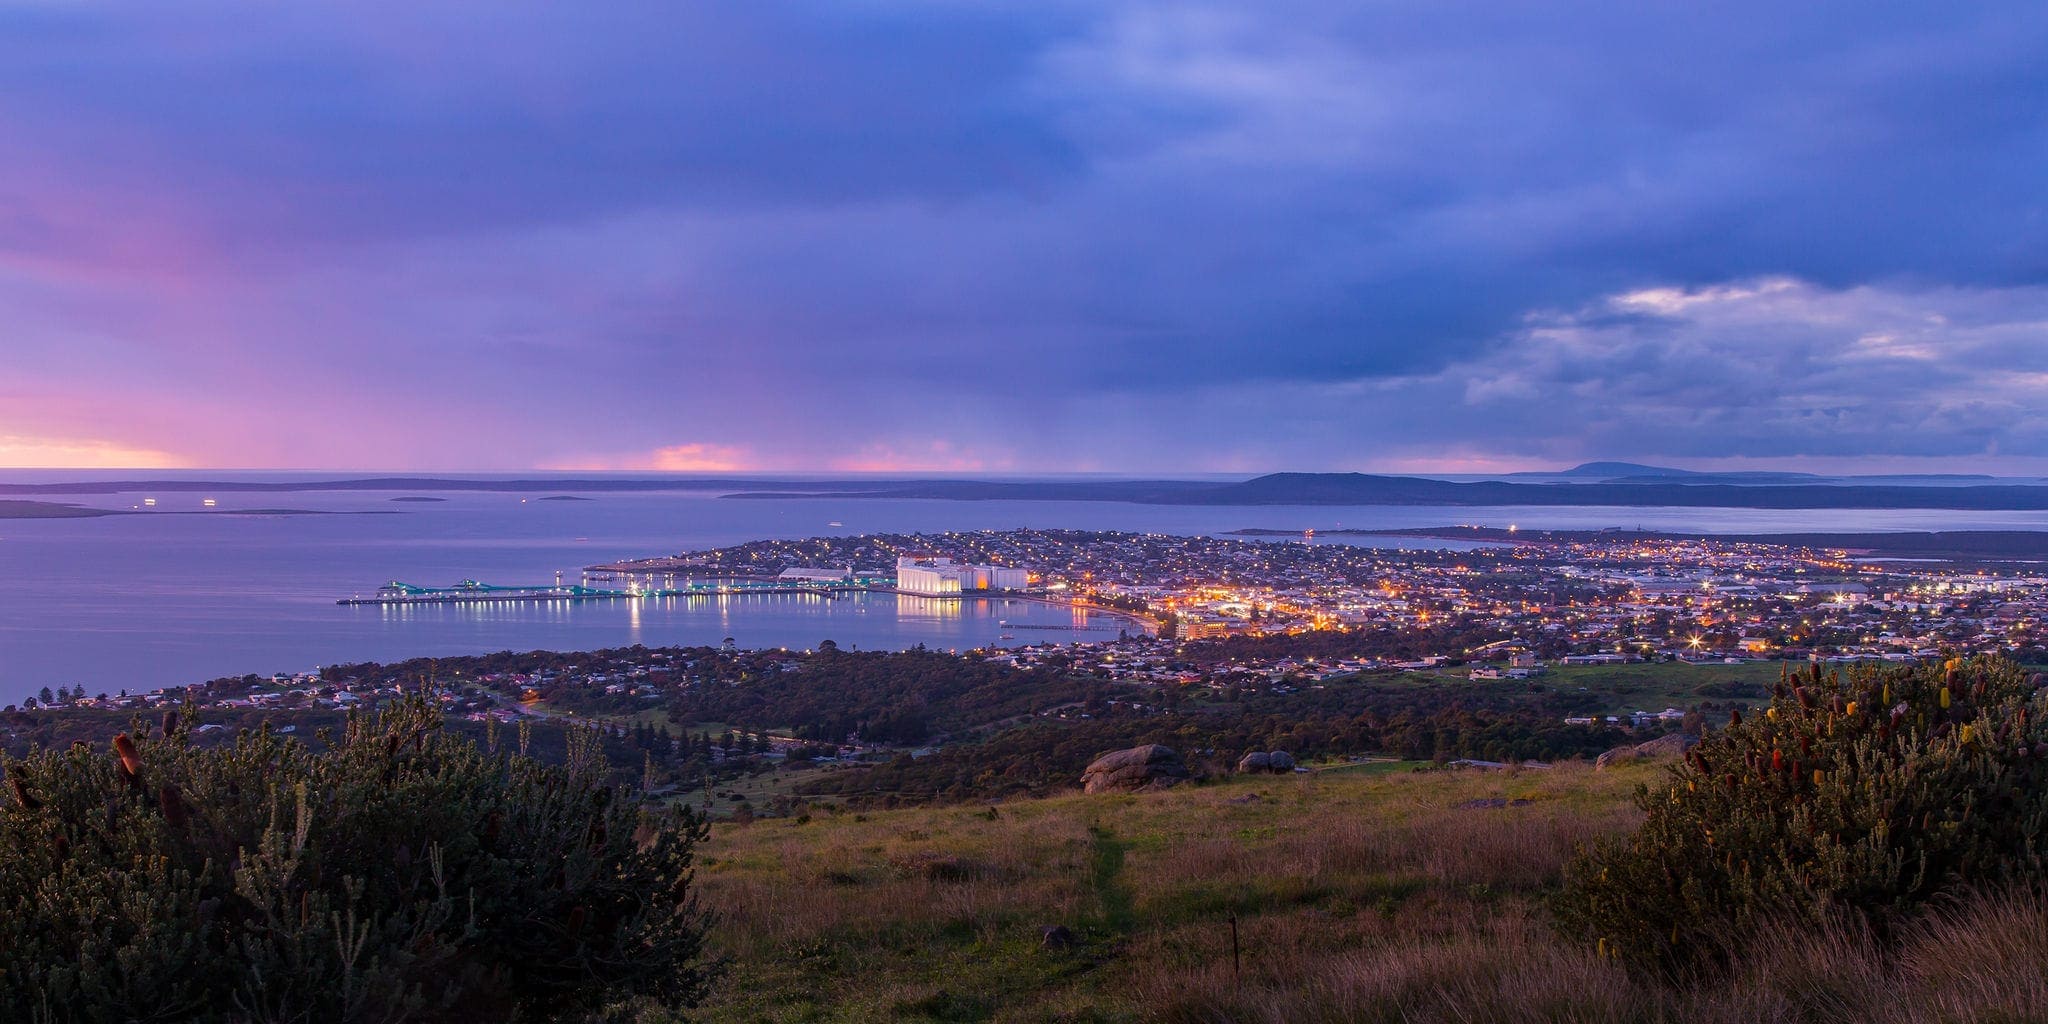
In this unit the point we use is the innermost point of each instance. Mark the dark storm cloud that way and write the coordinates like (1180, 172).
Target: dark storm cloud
(1006, 228)
(284, 127)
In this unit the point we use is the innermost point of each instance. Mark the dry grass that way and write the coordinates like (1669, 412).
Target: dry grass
(1357, 898)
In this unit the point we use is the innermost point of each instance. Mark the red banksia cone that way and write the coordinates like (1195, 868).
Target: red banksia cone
(1954, 787)
(21, 794)
(163, 894)
(172, 803)
(131, 761)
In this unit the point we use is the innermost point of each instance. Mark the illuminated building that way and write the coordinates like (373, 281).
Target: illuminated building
(932, 574)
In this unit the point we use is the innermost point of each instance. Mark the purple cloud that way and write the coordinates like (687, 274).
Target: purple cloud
(979, 235)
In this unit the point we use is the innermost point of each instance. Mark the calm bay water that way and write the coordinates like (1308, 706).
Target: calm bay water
(147, 600)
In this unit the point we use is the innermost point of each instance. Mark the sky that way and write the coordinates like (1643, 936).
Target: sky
(992, 237)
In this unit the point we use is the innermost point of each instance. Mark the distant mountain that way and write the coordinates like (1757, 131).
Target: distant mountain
(1747, 479)
(1940, 479)
(1613, 470)
(1636, 472)
(1680, 489)
(1686, 492)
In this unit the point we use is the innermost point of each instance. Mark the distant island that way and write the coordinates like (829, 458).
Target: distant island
(1368, 489)
(18, 509)
(1588, 485)
(49, 510)
(1946, 546)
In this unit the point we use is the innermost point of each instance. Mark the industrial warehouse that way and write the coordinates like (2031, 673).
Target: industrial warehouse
(936, 574)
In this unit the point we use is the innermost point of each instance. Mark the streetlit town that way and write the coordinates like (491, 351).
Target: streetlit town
(1584, 599)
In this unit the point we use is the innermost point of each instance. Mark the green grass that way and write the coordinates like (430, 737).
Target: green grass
(1374, 894)
(1360, 768)
(937, 913)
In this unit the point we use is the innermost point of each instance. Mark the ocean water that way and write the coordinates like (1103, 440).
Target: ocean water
(140, 601)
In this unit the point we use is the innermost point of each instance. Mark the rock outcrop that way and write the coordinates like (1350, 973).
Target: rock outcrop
(1278, 762)
(1151, 766)
(1663, 746)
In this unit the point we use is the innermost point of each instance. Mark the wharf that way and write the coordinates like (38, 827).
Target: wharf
(473, 592)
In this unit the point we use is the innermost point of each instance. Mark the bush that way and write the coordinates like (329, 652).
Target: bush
(1853, 799)
(397, 874)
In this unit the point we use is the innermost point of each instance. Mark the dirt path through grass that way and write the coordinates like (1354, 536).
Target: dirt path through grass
(1106, 868)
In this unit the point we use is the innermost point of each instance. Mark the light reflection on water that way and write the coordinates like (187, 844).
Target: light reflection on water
(154, 599)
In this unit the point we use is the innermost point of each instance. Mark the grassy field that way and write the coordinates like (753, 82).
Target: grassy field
(1358, 895)
(939, 914)
(1649, 686)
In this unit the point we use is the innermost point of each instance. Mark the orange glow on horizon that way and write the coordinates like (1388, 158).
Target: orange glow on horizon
(696, 457)
(22, 452)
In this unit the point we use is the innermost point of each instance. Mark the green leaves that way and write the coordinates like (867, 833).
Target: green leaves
(1864, 796)
(396, 874)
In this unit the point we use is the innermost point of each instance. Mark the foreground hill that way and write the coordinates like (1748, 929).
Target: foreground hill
(1372, 893)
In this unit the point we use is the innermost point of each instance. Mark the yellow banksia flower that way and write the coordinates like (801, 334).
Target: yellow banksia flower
(1944, 698)
(1851, 709)
(1818, 776)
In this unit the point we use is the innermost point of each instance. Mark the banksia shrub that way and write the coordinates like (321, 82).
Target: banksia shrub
(1857, 797)
(399, 874)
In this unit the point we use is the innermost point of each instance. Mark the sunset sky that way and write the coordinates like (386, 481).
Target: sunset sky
(1023, 237)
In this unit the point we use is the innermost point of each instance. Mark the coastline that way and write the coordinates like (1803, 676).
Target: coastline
(1955, 545)
(1298, 489)
(1150, 625)
(17, 509)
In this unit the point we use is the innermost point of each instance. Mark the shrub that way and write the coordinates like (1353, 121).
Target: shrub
(1854, 798)
(396, 874)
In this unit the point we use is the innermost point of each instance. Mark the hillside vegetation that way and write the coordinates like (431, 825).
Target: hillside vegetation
(1375, 893)
(395, 873)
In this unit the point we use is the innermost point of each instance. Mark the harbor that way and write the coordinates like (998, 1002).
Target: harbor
(474, 592)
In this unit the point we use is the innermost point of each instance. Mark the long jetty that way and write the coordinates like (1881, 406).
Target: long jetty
(473, 592)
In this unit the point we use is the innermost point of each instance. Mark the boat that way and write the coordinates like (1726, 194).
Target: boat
(836, 523)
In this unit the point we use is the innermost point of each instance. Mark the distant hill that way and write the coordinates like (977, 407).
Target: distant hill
(1363, 489)
(1636, 472)
(1747, 479)
(1369, 489)
(1613, 470)
(1660, 487)
(49, 510)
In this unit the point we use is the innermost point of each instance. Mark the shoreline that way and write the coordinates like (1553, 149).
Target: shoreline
(22, 510)
(1943, 545)
(1299, 489)
(1150, 625)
